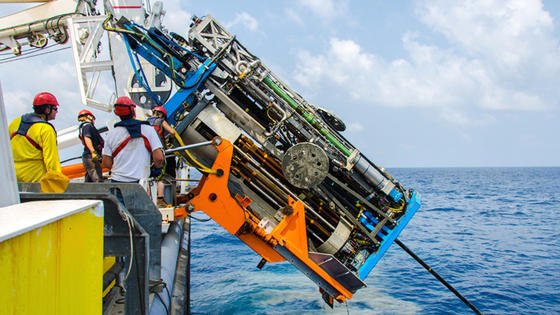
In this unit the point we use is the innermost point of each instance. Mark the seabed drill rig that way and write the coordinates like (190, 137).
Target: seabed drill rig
(276, 172)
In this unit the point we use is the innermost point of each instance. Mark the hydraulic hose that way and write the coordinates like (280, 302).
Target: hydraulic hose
(309, 117)
(199, 166)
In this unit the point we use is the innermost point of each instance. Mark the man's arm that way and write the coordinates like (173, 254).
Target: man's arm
(168, 128)
(89, 144)
(107, 161)
(157, 157)
(50, 149)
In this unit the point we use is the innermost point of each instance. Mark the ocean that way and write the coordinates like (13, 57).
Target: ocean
(493, 233)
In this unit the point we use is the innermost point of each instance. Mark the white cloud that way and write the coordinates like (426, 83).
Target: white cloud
(355, 127)
(246, 20)
(325, 9)
(16, 102)
(293, 16)
(53, 73)
(176, 19)
(498, 56)
(508, 32)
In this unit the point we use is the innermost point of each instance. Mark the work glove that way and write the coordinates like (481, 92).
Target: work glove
(156, 172)
(94, 157)
(54, 182)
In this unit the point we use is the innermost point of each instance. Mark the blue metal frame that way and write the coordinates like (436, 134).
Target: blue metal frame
(387, 235)
(193, 83)
(156, 55)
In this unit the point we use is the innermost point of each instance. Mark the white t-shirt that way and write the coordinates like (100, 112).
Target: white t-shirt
(132, 163)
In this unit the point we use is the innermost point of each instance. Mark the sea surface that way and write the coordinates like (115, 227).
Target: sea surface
(493, 233)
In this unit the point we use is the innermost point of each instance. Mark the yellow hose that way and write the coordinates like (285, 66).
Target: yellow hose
(199, 166)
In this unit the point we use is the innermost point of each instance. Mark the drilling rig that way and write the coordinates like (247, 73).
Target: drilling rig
(276, 170)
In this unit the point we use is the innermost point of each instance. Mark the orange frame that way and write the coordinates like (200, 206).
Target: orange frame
(213, 197)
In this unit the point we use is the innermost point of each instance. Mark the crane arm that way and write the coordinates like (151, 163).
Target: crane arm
(35, 25)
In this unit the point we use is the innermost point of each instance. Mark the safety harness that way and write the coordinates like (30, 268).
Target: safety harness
(134, 128)
(80, 132)
(81, 136)
(27, 120)
(157, 123)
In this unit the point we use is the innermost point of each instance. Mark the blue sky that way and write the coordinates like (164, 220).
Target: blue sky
(418, 83)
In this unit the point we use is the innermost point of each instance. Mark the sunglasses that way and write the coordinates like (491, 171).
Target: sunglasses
(54, 108)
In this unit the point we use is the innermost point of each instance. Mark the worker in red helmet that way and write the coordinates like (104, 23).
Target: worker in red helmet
(162, 127)
(131, 146)
(93, 146)
(33, 140)
(158, 120)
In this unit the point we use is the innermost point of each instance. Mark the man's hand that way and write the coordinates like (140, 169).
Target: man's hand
(94, 157)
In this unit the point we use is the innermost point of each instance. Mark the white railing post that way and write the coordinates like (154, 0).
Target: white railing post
(9, 194)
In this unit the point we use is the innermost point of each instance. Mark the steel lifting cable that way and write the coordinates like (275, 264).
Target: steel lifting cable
(437, 276)
(35, 54)
(138, 70)
(142, 79)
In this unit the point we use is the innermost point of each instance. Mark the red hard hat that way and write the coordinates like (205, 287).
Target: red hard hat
(44, 98)
(124, 106)
(160, 109)
(125, 100)
(85, 112)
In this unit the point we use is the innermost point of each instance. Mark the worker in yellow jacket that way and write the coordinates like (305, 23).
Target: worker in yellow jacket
(33, 140)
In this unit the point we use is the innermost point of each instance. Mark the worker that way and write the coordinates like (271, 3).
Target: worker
(93, 146)
(33, 140)
(131, 145)
(162, 127)
(159, 121)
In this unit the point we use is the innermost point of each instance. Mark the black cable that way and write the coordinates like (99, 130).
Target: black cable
(168, 294)
(30, 51)
(140, 286)
(16, 58)
(71, 159)
(162, 302)
(8, 53)
(199, 219)
(437, 276)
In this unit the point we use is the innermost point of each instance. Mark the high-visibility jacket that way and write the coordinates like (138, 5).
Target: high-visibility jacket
(33, 160)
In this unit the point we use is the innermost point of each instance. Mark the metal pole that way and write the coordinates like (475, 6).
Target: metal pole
(437, 276)
(190, 146)
(9, 195)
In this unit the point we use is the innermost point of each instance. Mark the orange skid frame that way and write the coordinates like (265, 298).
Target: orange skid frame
(212, 196)
(77, 170)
